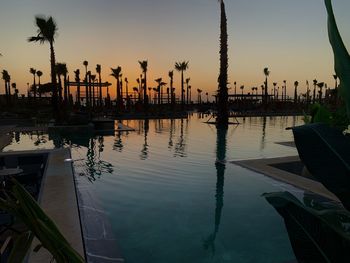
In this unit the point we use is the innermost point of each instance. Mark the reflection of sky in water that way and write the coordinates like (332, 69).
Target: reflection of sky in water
(171, 196)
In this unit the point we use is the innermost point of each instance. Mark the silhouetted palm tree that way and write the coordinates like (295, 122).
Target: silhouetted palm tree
(181, 67)
(47, 30)
(98, 71)
(235, 83)
(266, 73)
(171, 76)
(222, 119)
(144, 65)
(242, 88)
(15, 90)
(159, 81)
(314, 91)
(296, 83)
(320, 85)
(87, 95)
(285, 90)
(187, 82)
(207, 94)
(127, 90)
(33, 71)
(274, 89)
(116, 74)
(39, 73)
(307, 92)
(77, 80)
(61, 70)
(6, 77)
(199, 91)
(93, 79)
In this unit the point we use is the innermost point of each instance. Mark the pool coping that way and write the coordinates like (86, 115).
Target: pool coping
(58, 199)
(264, 166)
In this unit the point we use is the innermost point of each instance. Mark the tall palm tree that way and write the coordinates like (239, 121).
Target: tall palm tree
(15, 90)
(320, 85)
(98, 71)
(116, 74)
(314, 91)
(222, 119)
(266, 73)
(181, 67)
(307, 92)
(47, 30)
(187, 82)
(190, 91)
(5, 76)
(77, 80)
(33, 71)
(296, 84)
(144, 65)
(59, 71)
(87, 95)
(159, 82)
(39, 73)
(127, 89)
(235, 83)
(242, 88)
(274, 89)
(199, 91)
(93, 79)
(171, 76)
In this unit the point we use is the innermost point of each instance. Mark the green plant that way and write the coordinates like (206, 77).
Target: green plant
(22, 205)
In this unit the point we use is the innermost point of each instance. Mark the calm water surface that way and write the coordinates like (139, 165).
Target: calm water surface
(172, 195)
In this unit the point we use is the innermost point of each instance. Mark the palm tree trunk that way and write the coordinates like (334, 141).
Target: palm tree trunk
(100, 89)
(39, 89)
(34, 87)
(53, 80)
(222, 118)
(145, 98)
(182, 88)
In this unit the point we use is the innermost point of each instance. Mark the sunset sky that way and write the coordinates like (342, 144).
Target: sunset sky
(289, 37)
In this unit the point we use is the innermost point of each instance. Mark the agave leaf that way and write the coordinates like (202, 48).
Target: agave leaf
(23, 205)
(341, 56)
(325, 152)
(21, 247)
(316, 236)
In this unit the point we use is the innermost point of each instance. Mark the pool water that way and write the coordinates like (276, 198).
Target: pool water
(171, 193)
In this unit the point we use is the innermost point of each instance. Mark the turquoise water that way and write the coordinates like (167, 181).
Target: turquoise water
(172, 195)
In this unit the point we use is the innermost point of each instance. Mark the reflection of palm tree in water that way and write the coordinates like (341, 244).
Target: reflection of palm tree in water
(94, 165)
(180, 146)
(171, 133)
(220, 165)
(144, 151)
(118, 143)
(263, 137)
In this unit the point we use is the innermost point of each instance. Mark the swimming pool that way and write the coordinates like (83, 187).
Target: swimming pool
(170, 196)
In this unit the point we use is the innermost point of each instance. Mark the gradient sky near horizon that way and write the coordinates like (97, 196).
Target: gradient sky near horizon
(288, 37)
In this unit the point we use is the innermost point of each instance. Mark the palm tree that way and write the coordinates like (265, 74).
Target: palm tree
(242, 88)
(39, 73)
(314, 91)
(266, 73)
(127, 90)
(171, 76)
(187, 81)
(320, 85)
(181, 67)
(93, 79)
(207, 94)
(199, 96)
(274, 89)
(190, 90)
(98, 71)
(116, 74)
(61, 70)
(159, 82)
(296, 83)
(77, 80)
(33, 71)
(235, 83)
(144, 65)
(87, 95)
(47, 30)
(285, 90)
(222, 119)
(6, 77)
(14, 86)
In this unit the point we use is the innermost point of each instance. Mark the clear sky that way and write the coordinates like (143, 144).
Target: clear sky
(288, 36)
